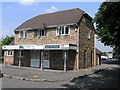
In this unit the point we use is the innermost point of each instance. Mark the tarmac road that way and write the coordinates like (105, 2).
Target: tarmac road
(108, 78)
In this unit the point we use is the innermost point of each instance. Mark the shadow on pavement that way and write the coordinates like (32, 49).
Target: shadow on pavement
(109, 78)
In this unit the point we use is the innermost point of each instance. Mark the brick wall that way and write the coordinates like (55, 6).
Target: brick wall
(56, 60)
(86, 44)
(8, 59)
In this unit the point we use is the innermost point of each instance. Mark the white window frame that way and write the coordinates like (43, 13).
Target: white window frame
(59, 30)
(10, 54)
(25, 34)
(39, 33)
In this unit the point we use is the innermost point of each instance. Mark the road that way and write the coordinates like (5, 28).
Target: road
(108, 78)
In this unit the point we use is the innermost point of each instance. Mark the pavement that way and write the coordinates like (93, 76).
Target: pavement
(36, 75)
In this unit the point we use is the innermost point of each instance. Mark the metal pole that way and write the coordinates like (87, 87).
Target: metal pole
(42, 57)
(65, 55)
(19, 58)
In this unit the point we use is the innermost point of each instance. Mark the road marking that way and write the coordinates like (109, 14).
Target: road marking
(36, 76)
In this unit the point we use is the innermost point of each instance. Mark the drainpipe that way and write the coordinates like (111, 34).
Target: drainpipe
(77, 43)
(94, 53)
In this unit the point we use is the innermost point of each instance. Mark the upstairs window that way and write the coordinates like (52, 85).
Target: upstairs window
(23, 34)
(88, 35)
(63, 30)
(40, 33)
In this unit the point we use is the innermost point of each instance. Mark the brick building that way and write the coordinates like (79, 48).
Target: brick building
(61, 40)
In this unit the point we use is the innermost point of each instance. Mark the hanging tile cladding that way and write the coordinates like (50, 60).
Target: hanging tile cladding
(49, 38)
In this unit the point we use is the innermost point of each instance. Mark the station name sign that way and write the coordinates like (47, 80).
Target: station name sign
(52, 46)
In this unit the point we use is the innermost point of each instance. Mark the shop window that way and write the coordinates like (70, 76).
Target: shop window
(9, 53)
(40, 33)
(23, 34)
(63, 30)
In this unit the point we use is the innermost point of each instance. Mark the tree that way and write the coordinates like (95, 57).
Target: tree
(7, 40)
(107, 21)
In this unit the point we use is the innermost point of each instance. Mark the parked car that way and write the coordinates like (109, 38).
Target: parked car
(104, 57)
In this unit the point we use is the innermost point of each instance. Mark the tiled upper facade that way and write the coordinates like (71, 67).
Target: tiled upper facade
(50, 36)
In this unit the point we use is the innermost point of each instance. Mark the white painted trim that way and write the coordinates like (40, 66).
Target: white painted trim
(50, 26)
(24, 29)
(7, 54)
(38, 47)
(59, 33)
(61, 25)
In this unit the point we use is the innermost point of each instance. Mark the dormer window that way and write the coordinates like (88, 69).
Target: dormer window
(88, 35)
(40, 33)
(23, 34)
(63, 30)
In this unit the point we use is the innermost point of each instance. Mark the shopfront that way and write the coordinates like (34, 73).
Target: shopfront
(50, 56)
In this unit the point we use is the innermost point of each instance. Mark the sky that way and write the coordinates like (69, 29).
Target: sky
(15, 13)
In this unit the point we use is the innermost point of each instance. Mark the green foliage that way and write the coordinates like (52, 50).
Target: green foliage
(7, 40)
(107, 21)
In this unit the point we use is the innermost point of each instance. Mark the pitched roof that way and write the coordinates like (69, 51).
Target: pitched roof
(56, 18)
(12, 42)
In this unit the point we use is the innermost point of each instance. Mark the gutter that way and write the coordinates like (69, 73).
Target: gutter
(50, 26)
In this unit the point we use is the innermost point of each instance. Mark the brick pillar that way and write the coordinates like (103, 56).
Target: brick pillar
(76, 64)
(42, 58)
(5, 53)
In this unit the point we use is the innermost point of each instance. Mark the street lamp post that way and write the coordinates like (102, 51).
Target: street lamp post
(20, 55)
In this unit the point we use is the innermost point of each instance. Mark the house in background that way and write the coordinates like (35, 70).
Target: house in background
(110, 55)
(61, 40)
(98, 57)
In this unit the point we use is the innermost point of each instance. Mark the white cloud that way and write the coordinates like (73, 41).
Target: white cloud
(27, 2)
(51, 9)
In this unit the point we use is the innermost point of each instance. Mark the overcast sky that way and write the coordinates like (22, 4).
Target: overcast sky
(15, 13)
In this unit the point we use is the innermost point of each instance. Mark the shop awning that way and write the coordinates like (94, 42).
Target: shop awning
(40, 47)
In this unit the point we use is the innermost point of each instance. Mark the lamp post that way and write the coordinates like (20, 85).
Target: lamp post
(20, 55)
(65, 59)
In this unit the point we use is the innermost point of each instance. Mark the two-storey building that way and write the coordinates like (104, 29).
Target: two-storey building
(61, 40)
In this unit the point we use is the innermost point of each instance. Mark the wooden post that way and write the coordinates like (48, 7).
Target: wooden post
(65, 61)
(42, 58)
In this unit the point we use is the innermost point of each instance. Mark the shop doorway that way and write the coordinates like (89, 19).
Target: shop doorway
(46, 62)
(35, 58)
(85, 64)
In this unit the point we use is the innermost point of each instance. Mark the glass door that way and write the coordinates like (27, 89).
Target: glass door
(35, 58)
(46, 62)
